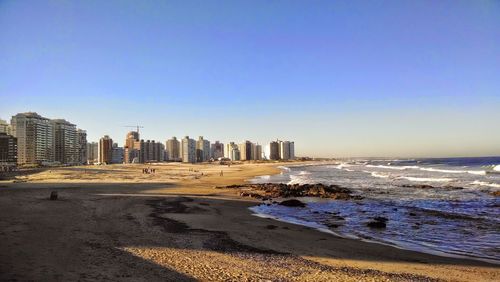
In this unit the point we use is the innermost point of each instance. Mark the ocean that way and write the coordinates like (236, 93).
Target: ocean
(441, 206)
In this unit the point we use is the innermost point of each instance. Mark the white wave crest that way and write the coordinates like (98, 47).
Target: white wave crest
(482, 183)
(394, 167)
(379, 175)
(298, 179)
(424, 179)
(284, 168)
(496, 168)
(476, 172)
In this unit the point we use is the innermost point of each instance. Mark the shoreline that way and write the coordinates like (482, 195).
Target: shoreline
(130, 226)
(394, 244)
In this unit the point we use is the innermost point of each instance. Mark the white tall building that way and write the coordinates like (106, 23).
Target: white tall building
(35, 138)
(188, 147)
(286, 150)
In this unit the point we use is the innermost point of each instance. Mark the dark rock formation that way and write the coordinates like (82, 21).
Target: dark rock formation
(292, 203)
(378, 222)
(280, 190)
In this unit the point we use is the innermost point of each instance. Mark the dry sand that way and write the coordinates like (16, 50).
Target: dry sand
(115, 223)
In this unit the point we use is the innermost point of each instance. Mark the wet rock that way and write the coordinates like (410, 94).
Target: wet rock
(376, 224)
(496, 193)
(53, 195)
(292, 203)
(412, 214)
(281, 190)
(418, 186)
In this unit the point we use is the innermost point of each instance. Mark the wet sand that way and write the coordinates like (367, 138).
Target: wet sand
(115, 223)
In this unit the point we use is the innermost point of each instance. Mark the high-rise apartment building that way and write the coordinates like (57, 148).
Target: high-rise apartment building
(92, 152)
(153, 151)
(8, 150)
(286, 150)
(105, 150)
(65, 142)
(258, 152)
(35, 138)
(217, 150)
(5, 127)
(202, 150)
(246, 151)
(292, 150)
(117, 154)
(130, 153)
(274, 151)
(188, 149)
(173, 149)
(233, 151)
(82, 146)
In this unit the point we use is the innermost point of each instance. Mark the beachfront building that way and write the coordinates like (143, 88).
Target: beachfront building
(202, 150)
(105, 150)
(92, 152)
(153, 151)
(274, 150)
(65, 142)
(217, 150)
(188, 149)
(173, 149)
(286, 150)
(247, 151)
(117, 154)
(35, 138)
(81, 137)
(8, 151)
(130, 152)
(233, 151)
(5, 127)
(258, 152)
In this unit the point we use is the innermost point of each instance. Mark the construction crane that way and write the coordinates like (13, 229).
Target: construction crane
(135, 126)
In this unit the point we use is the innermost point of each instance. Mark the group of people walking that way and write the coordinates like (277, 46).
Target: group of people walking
(148, 170)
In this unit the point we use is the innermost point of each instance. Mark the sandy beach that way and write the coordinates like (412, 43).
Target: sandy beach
(116, 223)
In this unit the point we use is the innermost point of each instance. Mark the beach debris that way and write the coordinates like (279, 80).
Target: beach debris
(496, 193)
(292, 203)
(378, 222)
(53, 195)
(281, 190)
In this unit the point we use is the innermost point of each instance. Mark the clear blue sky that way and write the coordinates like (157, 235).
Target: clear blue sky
(341, 78)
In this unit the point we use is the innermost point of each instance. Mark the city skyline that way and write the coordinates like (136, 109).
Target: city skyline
(340, 80)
